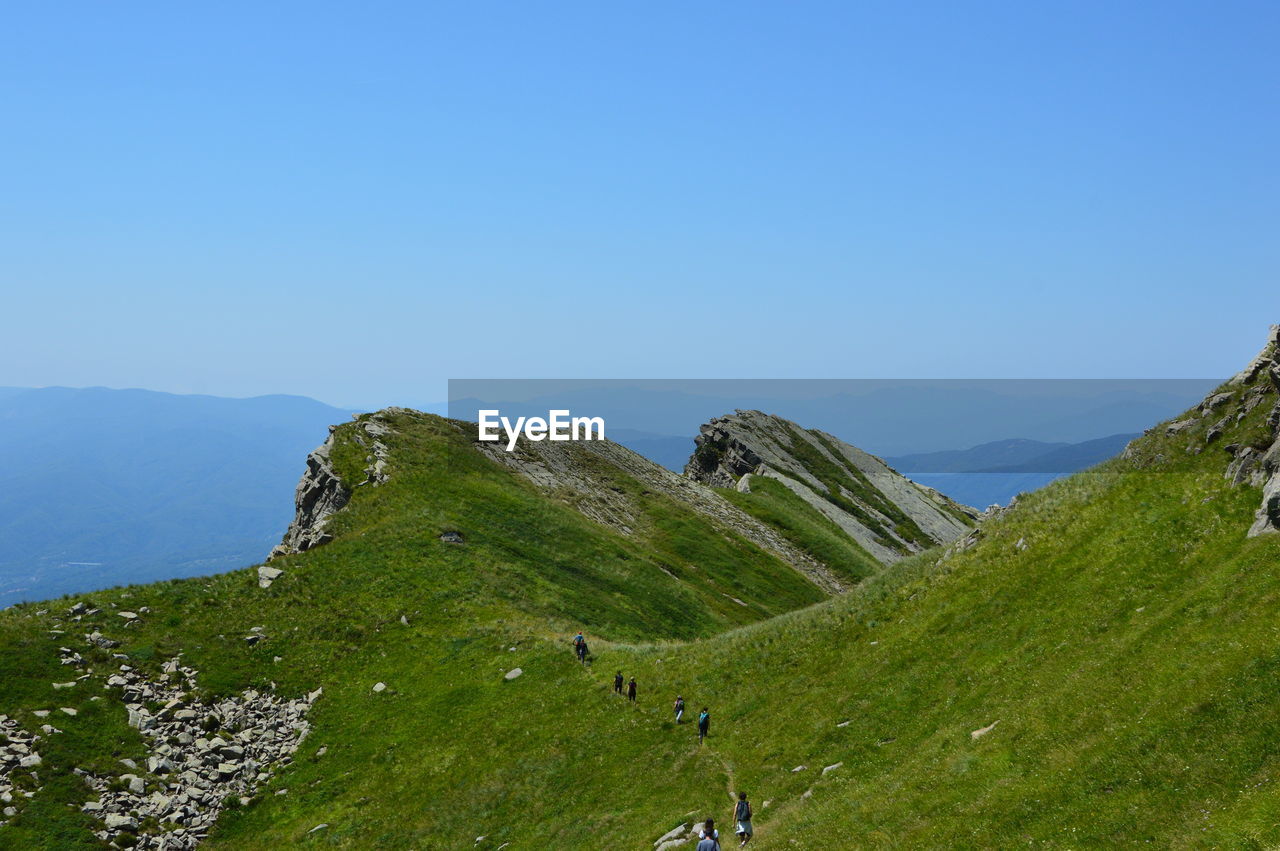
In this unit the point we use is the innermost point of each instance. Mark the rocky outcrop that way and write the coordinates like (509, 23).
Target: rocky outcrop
(1256, 463)
(886, 513)
(320, 494)
(19, 767)
(202, 756)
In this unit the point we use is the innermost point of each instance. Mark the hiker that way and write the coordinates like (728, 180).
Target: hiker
(709, 835)
(631, 690)
(704, 724)
(580, 647)
(617, 683)
(742, 818)
(679, 708)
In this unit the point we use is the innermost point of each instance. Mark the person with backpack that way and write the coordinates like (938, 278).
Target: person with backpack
(580, 647)
(631, 690)
(617, 683)
(704, 724)
(742, 818)
(710, 836)
(679, 708)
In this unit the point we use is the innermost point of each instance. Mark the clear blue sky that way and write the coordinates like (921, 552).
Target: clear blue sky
(358, 201)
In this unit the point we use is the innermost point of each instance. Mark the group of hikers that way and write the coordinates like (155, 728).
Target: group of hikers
(709, 836)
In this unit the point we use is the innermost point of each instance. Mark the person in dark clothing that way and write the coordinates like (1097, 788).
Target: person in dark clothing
(704, 724)
(580, 647)
(617, 683)
(742, 819)
(631, 690)
(679, 709)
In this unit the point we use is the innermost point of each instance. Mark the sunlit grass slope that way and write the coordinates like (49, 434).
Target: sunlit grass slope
(1119, 627)
(451, 750)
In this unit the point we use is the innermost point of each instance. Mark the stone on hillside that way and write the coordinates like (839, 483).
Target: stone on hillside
(1216, 401)
(320, 826)
(744, 483)
(979, 733)
(798, 769)
(129, 616)
(512, 674)
(451, 537)
(67, 710)
(267, 575)
(673, 833)
(832, 767)
(379, 687)
(116, 821)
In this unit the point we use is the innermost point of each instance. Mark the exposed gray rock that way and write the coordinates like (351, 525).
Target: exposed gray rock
(672, 834)
(189, 776)
(512, 674)
(319, 495)
(18, 763)
(1264, 360)
(868, 494)
(1257, 466)
(267, 575)
(1267, 518)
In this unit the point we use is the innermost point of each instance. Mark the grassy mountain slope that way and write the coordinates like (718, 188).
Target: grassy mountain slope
(450, 730)
(1119, 626)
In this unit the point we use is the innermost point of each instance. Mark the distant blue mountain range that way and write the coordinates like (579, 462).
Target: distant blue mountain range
(103, 487)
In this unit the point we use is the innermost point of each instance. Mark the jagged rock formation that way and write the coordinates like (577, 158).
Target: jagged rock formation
(571, 470)
(321, 492)
(886, 513)
(1259, 465)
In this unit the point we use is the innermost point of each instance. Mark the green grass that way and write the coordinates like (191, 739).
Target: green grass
(1131, 654)
(774, 504)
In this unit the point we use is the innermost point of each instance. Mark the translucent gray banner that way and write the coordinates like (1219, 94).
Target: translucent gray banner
(980, 441)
